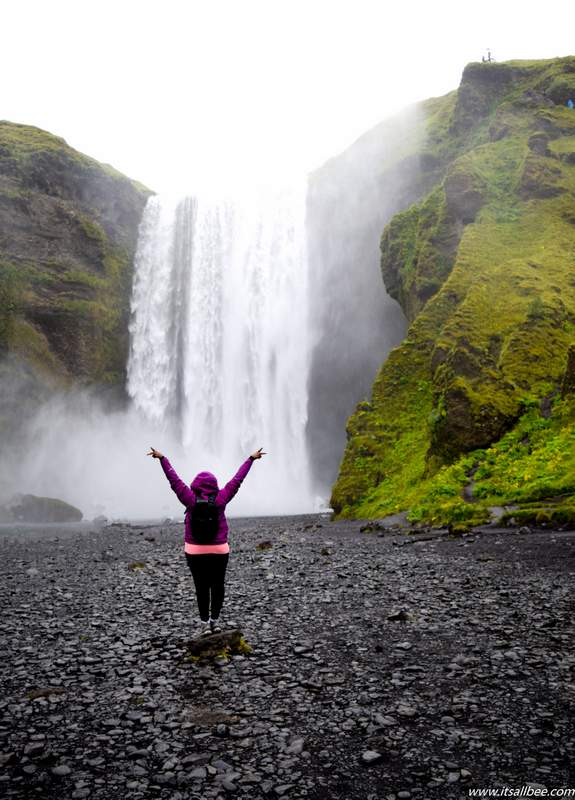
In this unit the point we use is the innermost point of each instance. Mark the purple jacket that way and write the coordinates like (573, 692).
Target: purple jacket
(205, 483)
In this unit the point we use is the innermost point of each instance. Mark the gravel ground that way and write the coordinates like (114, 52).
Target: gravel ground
(382, 666)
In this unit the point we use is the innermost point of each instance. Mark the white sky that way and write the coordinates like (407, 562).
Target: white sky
(183, 94)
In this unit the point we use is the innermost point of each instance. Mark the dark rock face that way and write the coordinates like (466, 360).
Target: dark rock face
(568, 384)
(68, 232)
(463, 196)
(539, 143)
(29, 508)
(541, 176)
(482, 268)
(350, 200)
(464, 426)
(481, 86)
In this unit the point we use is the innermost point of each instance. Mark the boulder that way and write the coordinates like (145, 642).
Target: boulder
(29, 508)
(227, 642)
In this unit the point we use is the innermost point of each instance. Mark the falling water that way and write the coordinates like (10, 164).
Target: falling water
(219, 351)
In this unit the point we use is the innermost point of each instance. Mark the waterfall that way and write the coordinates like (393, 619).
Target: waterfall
(219, 347)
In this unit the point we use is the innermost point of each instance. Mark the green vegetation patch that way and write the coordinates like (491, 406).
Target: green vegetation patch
(65, 294)
(11, 293)
(483, 268)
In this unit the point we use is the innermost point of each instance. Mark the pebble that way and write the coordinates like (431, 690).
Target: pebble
(371, 757)
(60, 770)
(406, 711)
(296, 746)
(315, 702)
(199, 773)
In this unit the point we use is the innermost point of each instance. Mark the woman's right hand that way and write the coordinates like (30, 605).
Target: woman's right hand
(155, 453)
(258, 454)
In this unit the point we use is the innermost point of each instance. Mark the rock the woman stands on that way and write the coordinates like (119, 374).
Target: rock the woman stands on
(207, 562)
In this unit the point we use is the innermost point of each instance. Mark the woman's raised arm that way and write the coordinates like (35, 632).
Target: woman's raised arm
(234, 484)
(181, 489)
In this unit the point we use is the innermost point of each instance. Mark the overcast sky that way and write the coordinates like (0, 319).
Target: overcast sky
(188, 93)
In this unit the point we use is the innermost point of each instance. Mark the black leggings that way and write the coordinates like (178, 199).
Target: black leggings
(209, 574)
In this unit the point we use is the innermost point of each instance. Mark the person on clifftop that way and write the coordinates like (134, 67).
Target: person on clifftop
(206, 534)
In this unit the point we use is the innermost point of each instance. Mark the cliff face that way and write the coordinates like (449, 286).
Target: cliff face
(483, 268)
(354, 322)
(68, 231)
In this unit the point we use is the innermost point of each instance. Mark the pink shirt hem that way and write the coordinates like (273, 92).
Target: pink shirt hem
(204, 549)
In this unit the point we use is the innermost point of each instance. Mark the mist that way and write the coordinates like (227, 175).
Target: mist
(76, 449)
(218, 366)
(354, 322)
(258, 319)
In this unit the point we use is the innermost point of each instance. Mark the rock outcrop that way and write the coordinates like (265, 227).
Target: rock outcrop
(68, 231)
(355, 324)
(482, 267)
(29, 508)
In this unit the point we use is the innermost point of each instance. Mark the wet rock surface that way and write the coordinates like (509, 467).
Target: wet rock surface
(29, 508)
(382, 665)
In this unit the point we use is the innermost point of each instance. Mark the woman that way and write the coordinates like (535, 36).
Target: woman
(207, 562)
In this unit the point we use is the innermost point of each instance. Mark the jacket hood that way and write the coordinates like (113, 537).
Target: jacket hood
(205, 483)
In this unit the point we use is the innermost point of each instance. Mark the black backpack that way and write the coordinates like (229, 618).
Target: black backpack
(204, 519)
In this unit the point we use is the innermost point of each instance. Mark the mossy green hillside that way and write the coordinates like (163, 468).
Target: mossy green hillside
(483, 268)
(69, 229)
(530, 470)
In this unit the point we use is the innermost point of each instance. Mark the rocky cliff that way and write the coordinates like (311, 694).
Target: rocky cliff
(354, 322)
(68, 231)
(475, 408)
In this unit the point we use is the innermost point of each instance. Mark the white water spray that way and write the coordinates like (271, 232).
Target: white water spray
(219, 338)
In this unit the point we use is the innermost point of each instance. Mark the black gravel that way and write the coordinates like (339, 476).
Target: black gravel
(382, 666)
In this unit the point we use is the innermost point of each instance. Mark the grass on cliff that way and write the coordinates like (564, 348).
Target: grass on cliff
(491, 342)
(532, 464)
(25, 143)
(68, 311)
(509, 297)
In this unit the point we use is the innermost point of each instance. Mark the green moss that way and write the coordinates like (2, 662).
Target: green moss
(483, 267)
(25, 144)
(77, 301)
(24, 141)
(566, 144)
(562, 516)
(534, 460)
(93, 230)
(417, 252)
(11, 289)
(237, 647)
(244, 648)
(137, 700)
(81, 279)
(28, 342)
